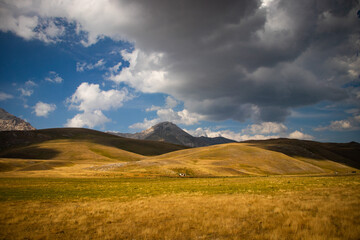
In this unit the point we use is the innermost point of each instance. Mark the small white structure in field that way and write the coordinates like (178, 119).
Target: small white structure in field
(182, 174)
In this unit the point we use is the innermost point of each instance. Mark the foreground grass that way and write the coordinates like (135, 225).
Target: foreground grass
(126, 189)
(210, 208)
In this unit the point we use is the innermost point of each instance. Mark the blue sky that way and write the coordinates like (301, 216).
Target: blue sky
(260, 72)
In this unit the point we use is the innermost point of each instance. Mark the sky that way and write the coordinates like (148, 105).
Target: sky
(241, 69)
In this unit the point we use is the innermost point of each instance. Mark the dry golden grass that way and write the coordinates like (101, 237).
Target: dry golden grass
(72, 150)
(82, 157)
(294, 216)
(234, 159)
(318, 211)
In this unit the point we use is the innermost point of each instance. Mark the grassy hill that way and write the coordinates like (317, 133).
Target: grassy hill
(13, 139)
(50, 148)
(320, 154)
(233, 159)
(69, 151)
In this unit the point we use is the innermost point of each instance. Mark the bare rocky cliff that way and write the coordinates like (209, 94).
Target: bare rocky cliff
(9, 122)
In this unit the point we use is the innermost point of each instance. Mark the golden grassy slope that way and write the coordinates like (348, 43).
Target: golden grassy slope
(64, 151)
(58, 157)
(232, 159)
(84, 152)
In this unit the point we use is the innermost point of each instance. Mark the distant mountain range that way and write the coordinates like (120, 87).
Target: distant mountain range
(9, 122)
(171, 133)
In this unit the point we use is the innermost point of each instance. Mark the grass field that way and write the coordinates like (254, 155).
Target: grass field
(84, 184)
(275, 207)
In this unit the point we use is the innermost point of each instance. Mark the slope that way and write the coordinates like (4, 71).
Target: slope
(12, 139)
(320, 154)
(232, 159)
(76, 149)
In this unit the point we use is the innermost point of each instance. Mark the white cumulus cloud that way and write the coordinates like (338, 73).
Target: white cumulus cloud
(167, 113)
(83, 66)
(5, 96)
(54, 77)
(145, 72)
(265, 130)
(237, 136)
(91, 101)
(350, 124)
(27, 89)
(42, 109)
(89, 119)
(299, 135)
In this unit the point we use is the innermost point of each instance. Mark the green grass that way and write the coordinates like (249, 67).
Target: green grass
(59, 189)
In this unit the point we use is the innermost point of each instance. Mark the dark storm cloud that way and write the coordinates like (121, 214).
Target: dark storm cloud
(233, 59)
(225, 59)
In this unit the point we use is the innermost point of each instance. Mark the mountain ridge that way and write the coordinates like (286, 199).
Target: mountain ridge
(171, 133)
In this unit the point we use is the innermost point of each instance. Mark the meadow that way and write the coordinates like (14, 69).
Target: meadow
(274, 207)
(84, 184)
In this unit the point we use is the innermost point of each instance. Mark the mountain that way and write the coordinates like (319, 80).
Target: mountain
(171, 133)
(9, 122)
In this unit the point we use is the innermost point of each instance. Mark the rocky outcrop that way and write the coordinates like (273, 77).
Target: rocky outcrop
(9, 122)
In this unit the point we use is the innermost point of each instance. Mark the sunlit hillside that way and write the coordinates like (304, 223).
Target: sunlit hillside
(83, 152)
(232, 159)
(71, 151)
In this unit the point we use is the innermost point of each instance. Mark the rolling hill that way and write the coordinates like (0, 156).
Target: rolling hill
(11, 139)
(344, 153)
(234, 159)
(84, 152)
(71, 147)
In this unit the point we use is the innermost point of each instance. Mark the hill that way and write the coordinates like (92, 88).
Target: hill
(11, 139)
(344, 153)
(234, 159)
(171, 133)
(9, 122)
(84, 152)
(75, 147)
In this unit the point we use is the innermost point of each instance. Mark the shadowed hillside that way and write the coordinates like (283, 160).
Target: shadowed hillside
(74, 148)
(344, 153)
(13, 139)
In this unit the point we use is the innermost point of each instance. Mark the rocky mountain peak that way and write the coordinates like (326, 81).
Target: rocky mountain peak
(170, 132)
(9, 122)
